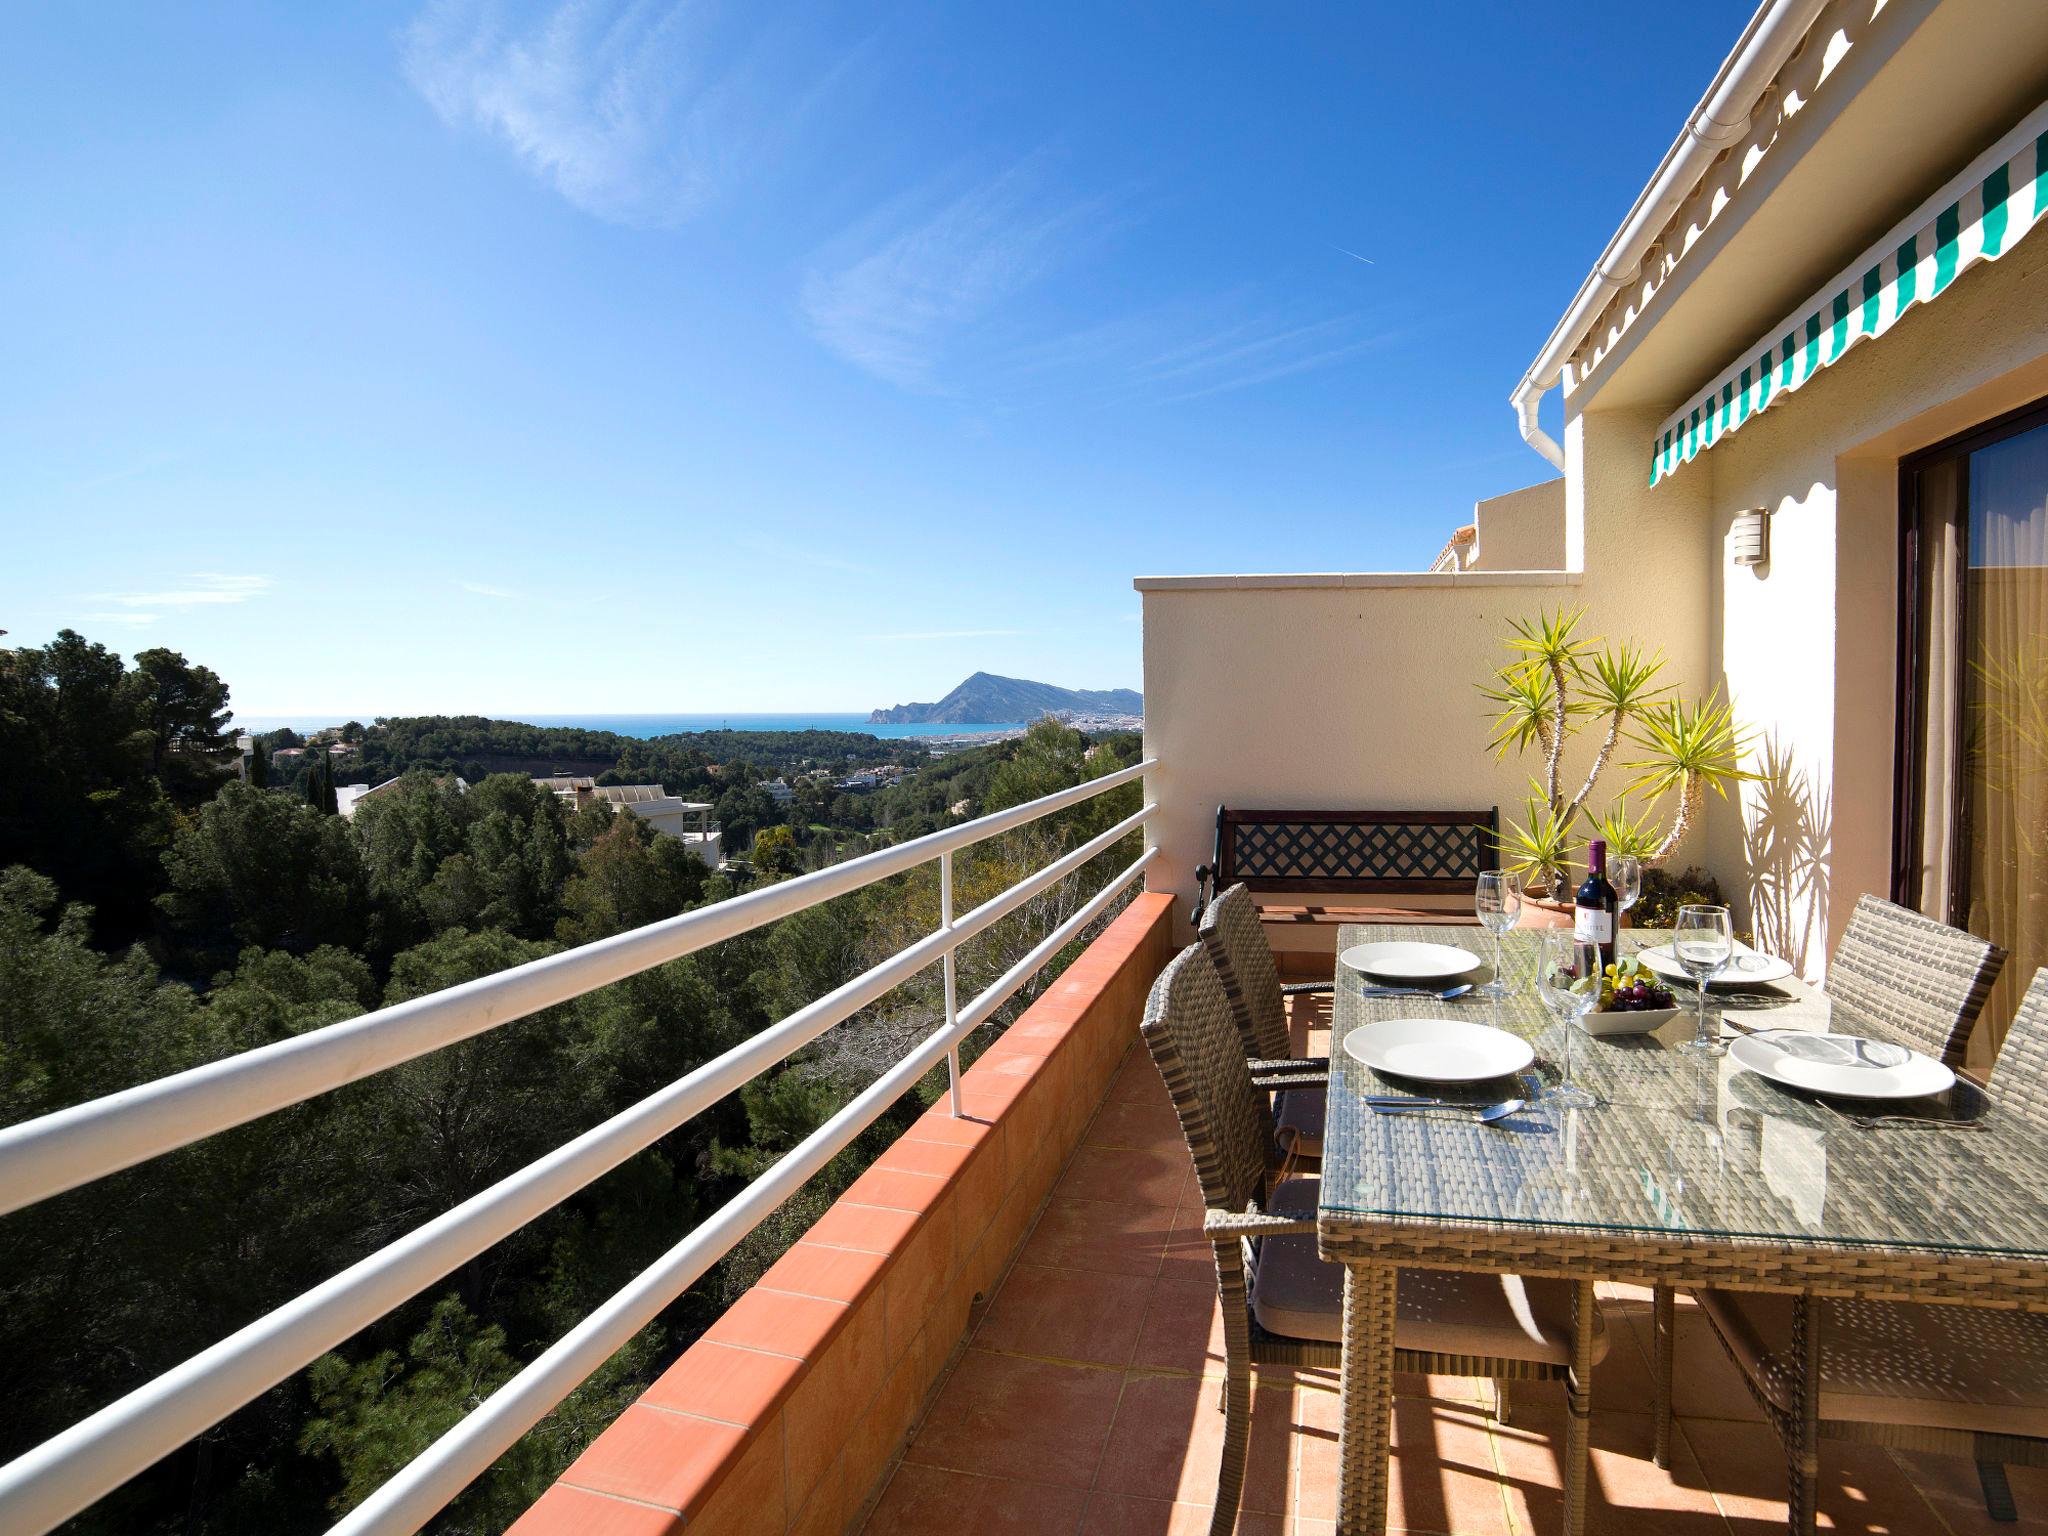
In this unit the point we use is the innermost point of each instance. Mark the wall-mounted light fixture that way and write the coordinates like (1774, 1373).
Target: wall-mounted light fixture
(1750, 539)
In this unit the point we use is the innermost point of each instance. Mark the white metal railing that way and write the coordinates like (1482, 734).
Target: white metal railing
(74, 1146)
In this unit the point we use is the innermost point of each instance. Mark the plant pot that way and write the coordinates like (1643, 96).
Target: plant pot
(1540, 912)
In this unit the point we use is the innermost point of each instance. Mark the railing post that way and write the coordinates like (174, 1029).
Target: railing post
(952, 999)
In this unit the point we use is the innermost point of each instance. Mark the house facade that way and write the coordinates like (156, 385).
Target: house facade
(1823, 322)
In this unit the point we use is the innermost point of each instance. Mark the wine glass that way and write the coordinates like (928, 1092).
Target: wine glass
(1704, 942)
(1497, 898)
(1568, 972)
(1625, 874)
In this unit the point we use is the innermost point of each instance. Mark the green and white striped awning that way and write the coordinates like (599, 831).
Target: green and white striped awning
(1978, 217)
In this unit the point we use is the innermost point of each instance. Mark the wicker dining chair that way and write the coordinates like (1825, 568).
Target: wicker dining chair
(1896, 975)
(1916, 1376)
(1904, 977)
(1236, 944)
(1282, 1305)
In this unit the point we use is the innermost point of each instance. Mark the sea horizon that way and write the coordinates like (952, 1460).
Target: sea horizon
(643, 726)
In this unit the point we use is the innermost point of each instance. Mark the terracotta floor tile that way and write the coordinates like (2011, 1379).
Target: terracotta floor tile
(1128, 1178)
(1138, 1082)
(1476, 1390)
(1111, 1514)
(1442, 1477)
(998, 1414)
(932, 1501)
(1140, 1127)
(1066, 1314)
(1168, 1443)
(1949, 1483)
(1308, 1018)
(1189, 1253)
(1862, 1490)
(1705, 1382)
(1101, 1235)
(1183, 1328)
(1628, 1495)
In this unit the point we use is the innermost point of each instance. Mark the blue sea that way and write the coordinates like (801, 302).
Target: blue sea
(644, 726)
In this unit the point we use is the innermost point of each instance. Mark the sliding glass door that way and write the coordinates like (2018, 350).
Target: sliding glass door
(1972, 838)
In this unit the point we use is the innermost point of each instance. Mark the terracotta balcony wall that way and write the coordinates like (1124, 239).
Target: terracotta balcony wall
(790, 1412)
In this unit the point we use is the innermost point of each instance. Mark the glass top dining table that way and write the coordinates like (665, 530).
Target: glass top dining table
(1678, 1143)
(1687, 1171)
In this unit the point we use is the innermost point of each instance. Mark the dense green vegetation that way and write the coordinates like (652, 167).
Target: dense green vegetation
(157, 913)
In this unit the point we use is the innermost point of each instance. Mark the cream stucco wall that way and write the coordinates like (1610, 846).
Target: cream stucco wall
(1335, 692)
(1521, 530)
(1807, 646)
(1356, 691)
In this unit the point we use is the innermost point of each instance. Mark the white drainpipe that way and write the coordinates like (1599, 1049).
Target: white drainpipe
(1722, 118)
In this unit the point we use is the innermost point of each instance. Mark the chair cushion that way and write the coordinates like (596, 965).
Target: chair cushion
(1500, 1317)
(1300, 1128)
(1895, 1362)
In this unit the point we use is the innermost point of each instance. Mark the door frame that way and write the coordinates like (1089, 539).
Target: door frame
(1908, 767)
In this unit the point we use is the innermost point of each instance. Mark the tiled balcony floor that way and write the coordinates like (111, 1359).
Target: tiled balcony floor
(1087, 1402)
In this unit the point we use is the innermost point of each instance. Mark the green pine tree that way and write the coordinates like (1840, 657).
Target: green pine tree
(259, 766)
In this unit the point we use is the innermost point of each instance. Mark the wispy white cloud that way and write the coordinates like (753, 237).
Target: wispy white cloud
(200, 590)
(1185, 349)
(613, 103)
(768, 547)
(946, 634)
(894, 294)
(485, 589)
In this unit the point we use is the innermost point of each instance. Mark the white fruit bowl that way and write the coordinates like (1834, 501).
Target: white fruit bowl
(1610, 1021)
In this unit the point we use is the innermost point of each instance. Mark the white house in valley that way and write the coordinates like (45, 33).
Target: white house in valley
(670, 815)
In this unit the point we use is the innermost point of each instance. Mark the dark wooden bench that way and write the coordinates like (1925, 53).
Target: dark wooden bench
(1350, 854)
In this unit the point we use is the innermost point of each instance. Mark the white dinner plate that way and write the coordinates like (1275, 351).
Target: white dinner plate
(1438, 1050)
(1749, 968)
(1410, 962)
(1847, 1066)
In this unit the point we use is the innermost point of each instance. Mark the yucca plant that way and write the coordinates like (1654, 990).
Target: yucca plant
(1691, 749)
(1636, 836)
(1561, 682)
(1537, 846)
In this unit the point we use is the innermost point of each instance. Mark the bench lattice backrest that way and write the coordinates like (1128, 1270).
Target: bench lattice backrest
(1355, 852)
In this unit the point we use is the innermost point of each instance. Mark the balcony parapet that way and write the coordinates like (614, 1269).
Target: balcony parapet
(1288, 581)
(788, 1413)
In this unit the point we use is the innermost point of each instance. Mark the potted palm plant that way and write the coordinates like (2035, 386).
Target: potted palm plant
(1561, 684)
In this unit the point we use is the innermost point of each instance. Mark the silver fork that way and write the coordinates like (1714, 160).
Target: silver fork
(1873, 1122)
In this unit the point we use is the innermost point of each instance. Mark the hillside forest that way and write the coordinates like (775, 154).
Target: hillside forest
(157, 912)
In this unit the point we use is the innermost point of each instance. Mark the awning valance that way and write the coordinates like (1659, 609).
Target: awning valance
(1977, 217)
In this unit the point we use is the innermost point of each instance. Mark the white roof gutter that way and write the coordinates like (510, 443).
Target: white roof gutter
(1722, 118)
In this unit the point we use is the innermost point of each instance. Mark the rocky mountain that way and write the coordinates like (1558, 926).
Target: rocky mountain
(986, 699)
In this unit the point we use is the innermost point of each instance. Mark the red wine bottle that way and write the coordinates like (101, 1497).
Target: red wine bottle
(1593, 919)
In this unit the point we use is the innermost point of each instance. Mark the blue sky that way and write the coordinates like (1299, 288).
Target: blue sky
(614, 357)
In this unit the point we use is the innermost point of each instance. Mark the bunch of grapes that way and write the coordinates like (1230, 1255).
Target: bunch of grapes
(1628, 988)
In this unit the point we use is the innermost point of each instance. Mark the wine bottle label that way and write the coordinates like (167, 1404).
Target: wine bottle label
(1593, 926)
